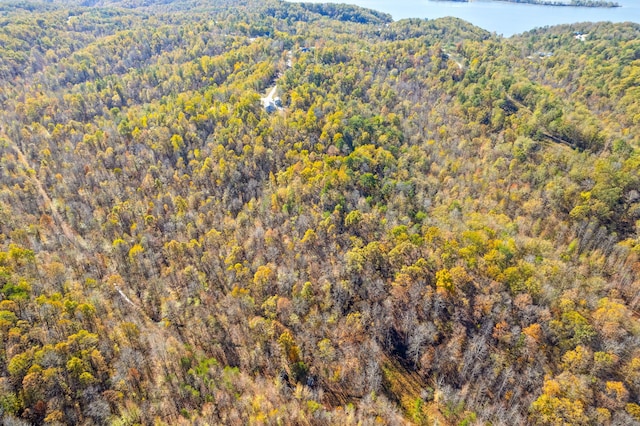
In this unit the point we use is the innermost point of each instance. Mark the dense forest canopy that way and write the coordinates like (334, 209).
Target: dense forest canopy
(257, 212)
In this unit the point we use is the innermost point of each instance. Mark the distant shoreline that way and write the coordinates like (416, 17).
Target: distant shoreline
(579, 3)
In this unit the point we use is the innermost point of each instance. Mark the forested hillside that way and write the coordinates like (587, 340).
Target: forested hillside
(431, 223)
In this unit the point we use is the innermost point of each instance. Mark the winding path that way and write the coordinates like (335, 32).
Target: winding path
(62, 224)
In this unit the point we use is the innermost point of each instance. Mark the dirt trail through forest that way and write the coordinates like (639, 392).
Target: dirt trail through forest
(65, 228)
(60, 222)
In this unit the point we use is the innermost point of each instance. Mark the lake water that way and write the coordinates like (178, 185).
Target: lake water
(502, 17)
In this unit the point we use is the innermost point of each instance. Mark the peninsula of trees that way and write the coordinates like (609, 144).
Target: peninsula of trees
(575, 3)
(260, 213)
